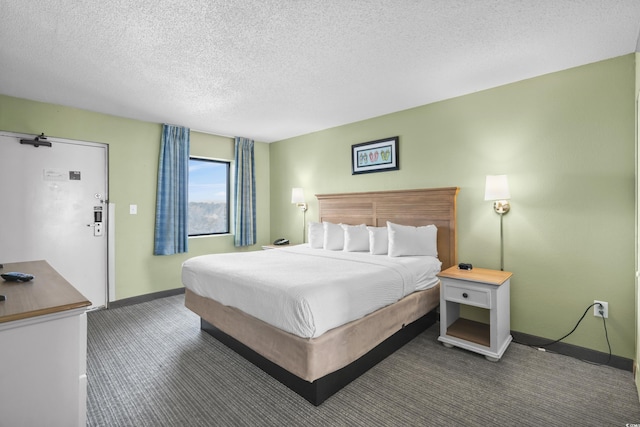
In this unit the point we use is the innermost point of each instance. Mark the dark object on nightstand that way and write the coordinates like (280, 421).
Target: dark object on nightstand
(465, 266)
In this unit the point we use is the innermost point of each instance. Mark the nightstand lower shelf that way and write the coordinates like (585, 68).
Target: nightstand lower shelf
(469, 340)
(470, 330)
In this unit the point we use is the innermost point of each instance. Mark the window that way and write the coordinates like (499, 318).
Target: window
(208, 197)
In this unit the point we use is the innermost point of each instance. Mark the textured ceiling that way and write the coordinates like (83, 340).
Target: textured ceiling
(274, 69)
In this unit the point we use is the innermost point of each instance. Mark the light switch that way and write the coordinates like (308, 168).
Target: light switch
(133, 209)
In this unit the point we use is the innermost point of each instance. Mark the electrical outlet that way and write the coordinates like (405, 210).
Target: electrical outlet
(597, 308)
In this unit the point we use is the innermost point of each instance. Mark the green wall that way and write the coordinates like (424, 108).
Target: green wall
(134, 147)
(566, 141)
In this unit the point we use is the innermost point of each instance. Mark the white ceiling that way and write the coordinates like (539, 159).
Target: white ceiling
(269, 70)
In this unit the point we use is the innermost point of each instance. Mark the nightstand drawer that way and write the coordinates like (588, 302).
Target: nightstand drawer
(464, 295)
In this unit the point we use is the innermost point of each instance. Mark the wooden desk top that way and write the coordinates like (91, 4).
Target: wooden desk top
(482, 275)
(47, 293)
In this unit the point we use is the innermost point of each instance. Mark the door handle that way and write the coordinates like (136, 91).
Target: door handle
(97, 228)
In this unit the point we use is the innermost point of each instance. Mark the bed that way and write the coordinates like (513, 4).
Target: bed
(322, 357)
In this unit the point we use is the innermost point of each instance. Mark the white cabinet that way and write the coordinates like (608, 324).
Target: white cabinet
(43, 370)
(484, 288)
(43, 350)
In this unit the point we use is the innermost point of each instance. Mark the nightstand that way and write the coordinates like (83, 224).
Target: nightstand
(480, 287)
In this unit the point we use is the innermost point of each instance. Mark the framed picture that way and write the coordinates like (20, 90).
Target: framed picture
(375, 156)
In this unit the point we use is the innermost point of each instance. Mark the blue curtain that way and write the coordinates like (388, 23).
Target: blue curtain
(245, 194)
(171, 232)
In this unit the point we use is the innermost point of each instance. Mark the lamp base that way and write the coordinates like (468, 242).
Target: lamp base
(501, 206)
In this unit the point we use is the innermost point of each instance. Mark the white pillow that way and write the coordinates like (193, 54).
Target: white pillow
(378, 240)
(405, 240)
(333, 236)
(316, 235)
(356, 238)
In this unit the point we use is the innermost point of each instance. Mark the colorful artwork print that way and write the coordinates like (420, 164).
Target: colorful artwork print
(375, 156)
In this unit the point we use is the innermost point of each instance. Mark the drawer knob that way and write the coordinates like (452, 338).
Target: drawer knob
(465, 295)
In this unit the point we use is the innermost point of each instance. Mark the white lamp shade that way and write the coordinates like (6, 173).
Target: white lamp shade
(497, 188)
(297, 195)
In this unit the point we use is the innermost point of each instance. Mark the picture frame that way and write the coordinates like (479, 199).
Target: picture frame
(380, 155)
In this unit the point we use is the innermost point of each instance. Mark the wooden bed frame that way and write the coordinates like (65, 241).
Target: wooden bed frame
(407, 207)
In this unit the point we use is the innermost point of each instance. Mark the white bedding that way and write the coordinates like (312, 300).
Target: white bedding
(308, 291)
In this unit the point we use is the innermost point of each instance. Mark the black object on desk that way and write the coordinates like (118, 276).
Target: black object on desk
(16, 276)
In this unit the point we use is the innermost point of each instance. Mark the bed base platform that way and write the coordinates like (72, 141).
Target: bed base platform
(317, 368)
(321, 389)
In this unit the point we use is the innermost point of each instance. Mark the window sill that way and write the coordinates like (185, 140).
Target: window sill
(210, 235)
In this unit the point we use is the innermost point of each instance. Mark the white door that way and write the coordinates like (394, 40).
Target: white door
(53, 206)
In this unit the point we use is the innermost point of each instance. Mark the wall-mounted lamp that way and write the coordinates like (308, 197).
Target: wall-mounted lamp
(297, 197)
(497, 189)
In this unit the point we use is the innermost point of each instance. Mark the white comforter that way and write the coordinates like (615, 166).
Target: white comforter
(307, 291)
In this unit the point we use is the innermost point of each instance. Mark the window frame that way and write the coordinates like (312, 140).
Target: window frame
(228, 191)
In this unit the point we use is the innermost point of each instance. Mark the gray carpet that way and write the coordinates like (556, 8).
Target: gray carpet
(150, 365)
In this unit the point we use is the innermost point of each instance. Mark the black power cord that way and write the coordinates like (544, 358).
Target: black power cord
(606, 334)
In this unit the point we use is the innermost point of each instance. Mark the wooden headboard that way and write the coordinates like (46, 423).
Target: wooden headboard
(408, 207)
